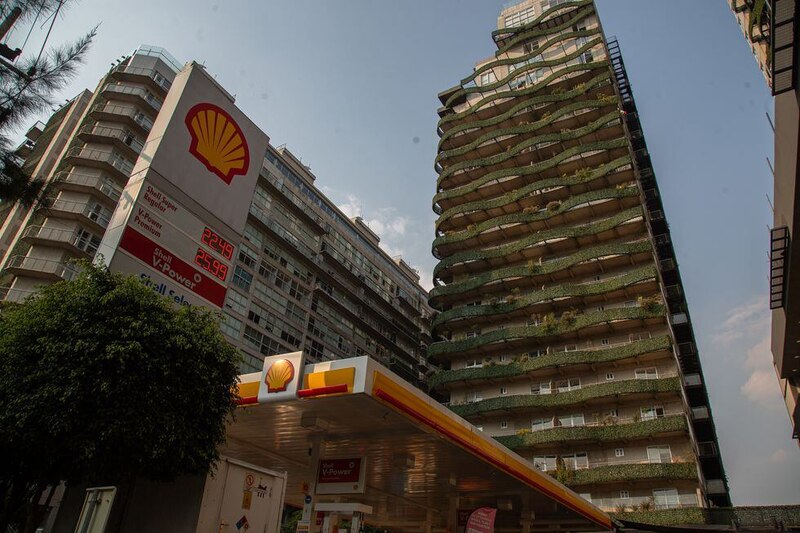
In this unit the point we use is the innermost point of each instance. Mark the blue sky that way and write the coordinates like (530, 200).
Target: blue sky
(351, 87)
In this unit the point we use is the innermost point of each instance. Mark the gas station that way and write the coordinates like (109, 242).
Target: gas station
(358, 443)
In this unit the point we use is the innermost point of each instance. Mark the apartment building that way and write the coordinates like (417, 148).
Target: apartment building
(305, 276)
(567, 335)
(770, 27)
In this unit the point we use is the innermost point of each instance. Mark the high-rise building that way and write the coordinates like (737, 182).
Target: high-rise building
(770, 27)
(305, 277)
(567, 333)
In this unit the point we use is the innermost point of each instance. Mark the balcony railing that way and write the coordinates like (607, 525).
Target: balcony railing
(115, 133)
(86, 180)
(137, 116)
(145, 95)
(44, 266)
(153, 74)
(616, 504)
(123, 165)
(51, 234)
(81, 208)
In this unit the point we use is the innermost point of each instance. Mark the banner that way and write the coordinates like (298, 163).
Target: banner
(481, 520)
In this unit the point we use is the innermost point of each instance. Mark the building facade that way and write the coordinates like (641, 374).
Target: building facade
(770, 27)
(305, 277)
(566, 330)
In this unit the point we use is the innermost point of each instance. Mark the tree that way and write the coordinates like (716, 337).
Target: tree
(28, 87)
(103, 380)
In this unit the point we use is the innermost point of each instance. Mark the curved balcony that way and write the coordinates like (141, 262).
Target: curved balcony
(128, 93)
(108, 161)
(138, 121)
(577, 208)
(76, 181)
(565, 294)
(527, 248)
(596, 322)
(525, 367)
(585, 179)
(528, 275)
(490, 184)
(600, 392)
(120, 138)
(602, 433)
(34, 267)
(524, 33)
(83, 211)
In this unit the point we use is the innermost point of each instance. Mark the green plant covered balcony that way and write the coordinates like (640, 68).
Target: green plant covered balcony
(584, 176)
(560, 399)
(523, 103)
(607, 433)
(528, 170)
(631, 472)
(530, 141)
(551, 360)
(528, 31)
(542, 214)
(549, 294)
(540, 237)
(547, 329)
(525, 271)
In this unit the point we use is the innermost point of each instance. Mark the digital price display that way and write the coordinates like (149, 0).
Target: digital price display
(210, 264)
(216, 243)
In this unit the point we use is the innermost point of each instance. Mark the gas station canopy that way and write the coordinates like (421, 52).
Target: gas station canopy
(423, 464)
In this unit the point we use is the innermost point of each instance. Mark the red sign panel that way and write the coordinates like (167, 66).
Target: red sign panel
(481, 520)
(171, 266)
(339, 470)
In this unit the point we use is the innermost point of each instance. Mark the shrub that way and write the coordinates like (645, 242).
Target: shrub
(553, 206)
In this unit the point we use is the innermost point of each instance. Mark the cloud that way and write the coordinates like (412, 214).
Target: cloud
(760, 355)
(762, 388)
(743, 321)
(352, 207)
(386, 223)
(425, 278)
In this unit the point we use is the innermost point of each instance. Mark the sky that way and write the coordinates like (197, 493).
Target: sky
(350, 86)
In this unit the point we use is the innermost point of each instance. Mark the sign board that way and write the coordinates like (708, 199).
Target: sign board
(481, 520)
(185, 207)
(280, 377)
(341, 475)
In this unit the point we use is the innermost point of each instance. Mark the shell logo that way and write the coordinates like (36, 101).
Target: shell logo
(217, 141)
(279, 375)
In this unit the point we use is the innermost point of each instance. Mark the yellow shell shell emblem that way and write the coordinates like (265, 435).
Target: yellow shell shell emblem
(217, 141)
(279, 375)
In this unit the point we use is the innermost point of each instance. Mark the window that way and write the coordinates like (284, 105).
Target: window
(472, 334)
(586, 496)
(237, 302)
(248, 256)
(99, 213)
(646, 373)
(659, 454)
(473, 397)
(503, 358)
(597, 278)
(504, 424)
(571, 348)
(609, 376)
(613, 413)
(630, 303)
(576, 460)
(242, 278)
(487, 78)
(624, 494)
(475, 363)
(541, 388)
(601, 307)
(604, 342)
(571, 420)
(566, 385)
(619, 452)
(651, 413)
(503, 390)
(479, 428)
(666, 498)
(86, 241)
(230, 326)
(521, 17)
(541, 423)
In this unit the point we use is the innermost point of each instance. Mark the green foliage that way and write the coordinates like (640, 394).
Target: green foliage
(540, 236)
(634, 472)
(609, 433)
(289, 524)
(530, 270)
(538, 401)
(102, 380)
(525, 32)
(525, 364)
(763, 515)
